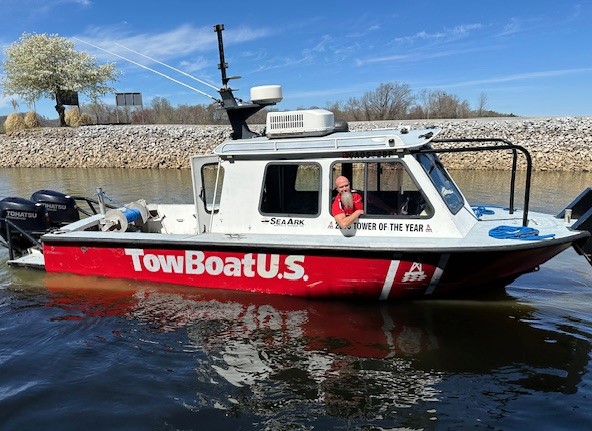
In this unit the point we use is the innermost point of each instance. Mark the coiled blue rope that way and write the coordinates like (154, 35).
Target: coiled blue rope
(481, 211)
(517, 232)
(132, 214)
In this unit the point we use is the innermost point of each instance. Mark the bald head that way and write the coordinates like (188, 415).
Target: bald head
(342, 184)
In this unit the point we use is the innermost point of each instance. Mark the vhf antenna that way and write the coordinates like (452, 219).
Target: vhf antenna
(218, 28)
(237, 113)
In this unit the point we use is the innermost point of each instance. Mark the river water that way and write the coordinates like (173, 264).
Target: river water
(95, 354)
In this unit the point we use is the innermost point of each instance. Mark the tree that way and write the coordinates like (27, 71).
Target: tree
(423, 111)
(354, 107)
(163, 111)
(481, 104)
(389, 101)
(41, 65)
(440, 104)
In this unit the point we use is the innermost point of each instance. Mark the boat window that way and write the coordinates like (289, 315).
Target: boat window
(209, 175)
(387, 189)
(442, 181)
(291, 189)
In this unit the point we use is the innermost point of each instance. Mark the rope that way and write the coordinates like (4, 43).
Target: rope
(132, 214)
(481, 211)
(517, 232)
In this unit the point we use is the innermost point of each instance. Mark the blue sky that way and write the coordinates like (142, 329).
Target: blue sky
(531, 58)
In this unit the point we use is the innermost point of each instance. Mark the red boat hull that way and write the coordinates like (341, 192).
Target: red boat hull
(368, 275)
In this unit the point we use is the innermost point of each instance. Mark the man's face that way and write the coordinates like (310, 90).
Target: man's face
(342, 185)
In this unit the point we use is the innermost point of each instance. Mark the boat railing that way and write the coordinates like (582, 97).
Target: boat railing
(89, 202)
(10, 228)
(495, 144)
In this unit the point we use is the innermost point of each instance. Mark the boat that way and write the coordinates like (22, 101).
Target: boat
(261, 219)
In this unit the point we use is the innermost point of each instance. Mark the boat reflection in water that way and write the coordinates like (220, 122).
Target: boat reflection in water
(268, 355)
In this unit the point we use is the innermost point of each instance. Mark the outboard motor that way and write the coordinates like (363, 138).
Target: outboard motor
(61, 208)
(29, 218)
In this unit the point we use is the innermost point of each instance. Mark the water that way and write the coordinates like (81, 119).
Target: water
(94, 354)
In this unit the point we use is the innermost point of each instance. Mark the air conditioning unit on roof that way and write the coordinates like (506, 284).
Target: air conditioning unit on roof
(311, 122)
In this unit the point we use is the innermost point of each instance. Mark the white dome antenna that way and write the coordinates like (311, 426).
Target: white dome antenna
(266, 94)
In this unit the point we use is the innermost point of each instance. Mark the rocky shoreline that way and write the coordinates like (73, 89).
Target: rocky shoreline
(555, 144)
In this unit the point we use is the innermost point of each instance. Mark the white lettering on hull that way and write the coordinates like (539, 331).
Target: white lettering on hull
(196, 263)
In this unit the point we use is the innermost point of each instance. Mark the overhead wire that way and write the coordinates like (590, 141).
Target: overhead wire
(169, 66)
(149, 68)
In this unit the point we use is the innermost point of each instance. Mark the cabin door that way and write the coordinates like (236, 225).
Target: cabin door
(208, 177)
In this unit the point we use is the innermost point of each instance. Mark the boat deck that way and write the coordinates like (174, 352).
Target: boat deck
(33, 260)
(477, 240)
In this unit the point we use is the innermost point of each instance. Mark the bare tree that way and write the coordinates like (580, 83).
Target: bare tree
(354, 109)
(422, 109)
(388, 102)
(162, 111)
(97, 111)
(444, 105)
(481, 104)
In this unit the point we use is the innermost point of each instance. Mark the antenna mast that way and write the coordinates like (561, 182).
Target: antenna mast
(218, 28)
(238, 113)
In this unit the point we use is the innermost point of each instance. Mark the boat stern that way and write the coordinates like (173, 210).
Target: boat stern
(579, 211)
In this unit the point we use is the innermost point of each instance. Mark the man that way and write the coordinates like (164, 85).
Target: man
(347, 206)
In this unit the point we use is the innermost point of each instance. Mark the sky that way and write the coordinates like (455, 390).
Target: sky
(529, 58)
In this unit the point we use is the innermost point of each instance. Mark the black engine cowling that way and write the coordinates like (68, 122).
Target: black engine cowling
(61, 208)
(27, 215)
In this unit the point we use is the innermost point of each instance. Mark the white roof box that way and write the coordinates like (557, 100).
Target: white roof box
(266, 94)
(311, 122)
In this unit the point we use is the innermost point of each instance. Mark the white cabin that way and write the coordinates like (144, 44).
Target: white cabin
(285, 185)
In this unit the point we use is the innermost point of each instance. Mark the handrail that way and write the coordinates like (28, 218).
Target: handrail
(9, 225)
(90, 202)
(505, 145)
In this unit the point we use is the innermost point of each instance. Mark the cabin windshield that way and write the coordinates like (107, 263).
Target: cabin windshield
(442, 181)
(387, 188)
